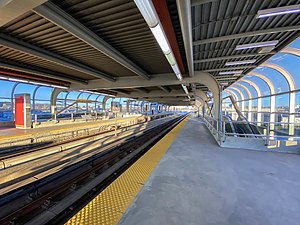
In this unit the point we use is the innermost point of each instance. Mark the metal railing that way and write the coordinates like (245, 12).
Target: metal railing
(272, 130)
(268, 131)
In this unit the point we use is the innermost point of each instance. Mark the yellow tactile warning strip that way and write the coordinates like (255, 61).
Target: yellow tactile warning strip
(109, 206)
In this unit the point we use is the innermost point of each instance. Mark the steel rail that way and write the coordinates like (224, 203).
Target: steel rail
(46, 191)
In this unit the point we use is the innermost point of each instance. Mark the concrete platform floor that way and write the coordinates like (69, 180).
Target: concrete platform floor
(199, 183)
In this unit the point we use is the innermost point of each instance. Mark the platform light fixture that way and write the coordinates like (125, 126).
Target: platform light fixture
(278, 11)
(160, 37)
(257, 45)
(3, 78)
(18, 80)
(234, 63)
(148, 11)
(32, 82)
(38, 83)
(231, 72)
(48, 85)
(58, 86)
(179, 77)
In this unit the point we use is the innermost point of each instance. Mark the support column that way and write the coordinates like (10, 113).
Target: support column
(104, 102)
(292, 113)
(272, 112)
(209, 81)
(202, 98)
(53, 100)
(259, 108)
(259, 100)
(127, 105)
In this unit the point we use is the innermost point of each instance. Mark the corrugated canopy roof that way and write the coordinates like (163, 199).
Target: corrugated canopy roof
(99, 41)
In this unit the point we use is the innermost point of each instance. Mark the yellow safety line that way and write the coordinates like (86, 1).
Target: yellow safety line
(109, 206)
(87, 125)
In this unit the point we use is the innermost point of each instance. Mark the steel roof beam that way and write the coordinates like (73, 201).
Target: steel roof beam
(230, 68)
(40, 72)
(31, 49)
(136, 82)
(156, 94)
(12, 9)
(201, 2)
(233, 57)
(168, 99)
(248, 34)
(58, 16)
(225, 78)
(184, 12)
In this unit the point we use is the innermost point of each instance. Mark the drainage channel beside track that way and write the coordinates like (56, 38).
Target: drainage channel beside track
(55, 196)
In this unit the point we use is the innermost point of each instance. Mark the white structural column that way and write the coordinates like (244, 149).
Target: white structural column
(128, 106)
(249, 100)
(199, 105)
(210, 82)
(201, 98)
(259, 100)
(33, 98)
(292, 87)
(273, 100)
(104, 102)
(11, 9)
(53, 100)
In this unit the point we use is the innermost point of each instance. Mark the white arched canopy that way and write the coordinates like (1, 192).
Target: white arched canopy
(292, 86)
(210, 82)
(259, 99)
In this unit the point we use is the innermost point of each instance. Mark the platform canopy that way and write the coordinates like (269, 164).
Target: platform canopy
(112, 47)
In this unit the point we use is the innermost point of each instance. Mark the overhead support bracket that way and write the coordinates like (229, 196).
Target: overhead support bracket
(58, 16)
(31, 49)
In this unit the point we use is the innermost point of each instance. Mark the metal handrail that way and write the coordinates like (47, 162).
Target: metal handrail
(213, 126)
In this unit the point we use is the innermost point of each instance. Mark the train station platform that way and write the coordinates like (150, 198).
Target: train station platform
(198, 183)
(8, 133)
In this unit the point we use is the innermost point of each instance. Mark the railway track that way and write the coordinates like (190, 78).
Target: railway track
(55, 197)
(42, 141)
(22, 169)
(30, 152)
